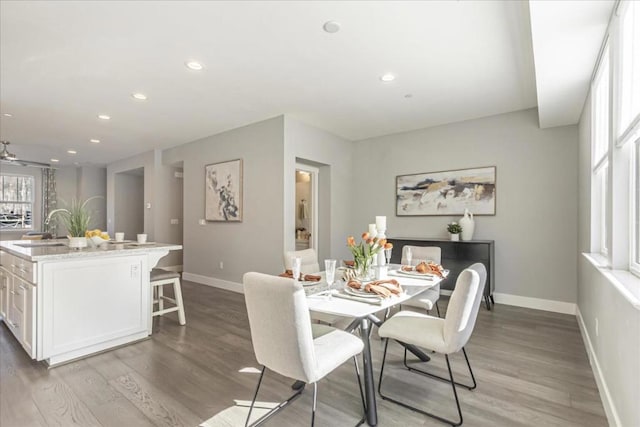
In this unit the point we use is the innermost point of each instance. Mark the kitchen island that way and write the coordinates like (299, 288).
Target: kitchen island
(62, 304)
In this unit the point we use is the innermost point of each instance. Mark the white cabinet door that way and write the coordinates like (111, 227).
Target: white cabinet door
(5, 280)
(21, 319)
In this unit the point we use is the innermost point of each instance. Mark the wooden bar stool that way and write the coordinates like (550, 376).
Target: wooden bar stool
(159, 278)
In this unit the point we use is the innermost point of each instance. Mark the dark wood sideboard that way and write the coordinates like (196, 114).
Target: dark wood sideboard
(456, 256)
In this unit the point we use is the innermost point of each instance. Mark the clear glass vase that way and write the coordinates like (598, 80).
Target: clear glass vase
(363, 269)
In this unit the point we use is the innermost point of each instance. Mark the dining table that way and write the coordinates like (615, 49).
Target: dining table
(337, 301)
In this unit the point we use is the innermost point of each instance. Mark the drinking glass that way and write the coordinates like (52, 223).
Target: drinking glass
(408, 255)
(296, 263)
(330, 272)
(387, 255)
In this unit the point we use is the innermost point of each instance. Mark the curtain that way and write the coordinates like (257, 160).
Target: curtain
(49, 200)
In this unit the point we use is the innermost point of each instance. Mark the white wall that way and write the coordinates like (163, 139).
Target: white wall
(81, 183)
(535, 225)
(614, 344)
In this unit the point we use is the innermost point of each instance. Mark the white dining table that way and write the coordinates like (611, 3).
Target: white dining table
(364, 315)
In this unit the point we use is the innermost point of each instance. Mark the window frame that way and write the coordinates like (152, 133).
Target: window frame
(31, 203)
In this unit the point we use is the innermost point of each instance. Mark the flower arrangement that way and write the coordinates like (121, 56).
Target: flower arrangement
(76, 219)
(364, 252)
(454, 228)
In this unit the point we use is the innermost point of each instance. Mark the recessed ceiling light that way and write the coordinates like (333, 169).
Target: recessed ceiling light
(194, 65)
(388, 77)
(8, 115)
(104, 117)
(139, 96)
(54, 160)
(331, 27)
(72, 151)
(95, 141)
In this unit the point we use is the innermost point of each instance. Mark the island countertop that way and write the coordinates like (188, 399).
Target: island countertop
(45, 250)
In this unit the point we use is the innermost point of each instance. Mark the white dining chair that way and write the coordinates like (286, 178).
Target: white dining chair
(429, 298)
(309, 260)
(285, 340)
(445, 336)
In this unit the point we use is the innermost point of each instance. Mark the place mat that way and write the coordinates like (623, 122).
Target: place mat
(342, 294)
(399, 273)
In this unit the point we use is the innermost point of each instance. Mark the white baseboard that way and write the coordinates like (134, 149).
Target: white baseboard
(605, 396)
(537, 303)
(176, 268)
(212, 281)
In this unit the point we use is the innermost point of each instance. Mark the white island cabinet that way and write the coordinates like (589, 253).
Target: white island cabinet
(62, 304)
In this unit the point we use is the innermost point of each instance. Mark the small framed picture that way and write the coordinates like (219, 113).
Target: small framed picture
(223, 191)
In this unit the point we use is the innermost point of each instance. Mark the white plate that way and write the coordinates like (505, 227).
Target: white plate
(360, 293)
(414, 273)
(305, 283)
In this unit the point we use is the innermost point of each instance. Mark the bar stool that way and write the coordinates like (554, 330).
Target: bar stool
(159, 278)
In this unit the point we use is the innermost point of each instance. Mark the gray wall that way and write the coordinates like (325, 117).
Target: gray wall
(535, 225)
(92, 181)
(256, 243)
(129, 206)
(616, 340)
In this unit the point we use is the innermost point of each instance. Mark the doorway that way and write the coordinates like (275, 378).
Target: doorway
(129, 203)
(306, 214)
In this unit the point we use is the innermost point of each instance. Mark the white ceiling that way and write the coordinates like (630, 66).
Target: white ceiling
(63, 63)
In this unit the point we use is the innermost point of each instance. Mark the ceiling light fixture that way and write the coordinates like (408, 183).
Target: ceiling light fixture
(408, 96)
(95, 141)
(331, 27)
(194, 65)
(72, 151)
(8, 115)
(54, 160)
(104, 117)
(139, 96)
(388, 77)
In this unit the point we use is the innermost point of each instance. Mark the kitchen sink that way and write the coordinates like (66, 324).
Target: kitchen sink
(39, 244)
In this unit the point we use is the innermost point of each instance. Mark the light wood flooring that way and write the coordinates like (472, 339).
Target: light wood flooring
(531, 367)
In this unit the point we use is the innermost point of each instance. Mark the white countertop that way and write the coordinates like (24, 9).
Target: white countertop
(44, 250)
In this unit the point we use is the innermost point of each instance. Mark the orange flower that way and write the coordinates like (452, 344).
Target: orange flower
(388, 245)
(351, 241)
(365, 236)
(382, 242)
(369, 241)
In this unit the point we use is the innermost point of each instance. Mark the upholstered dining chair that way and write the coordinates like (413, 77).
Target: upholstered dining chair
(285, 340)
(429, 298)
(445, 336)
(309, 260)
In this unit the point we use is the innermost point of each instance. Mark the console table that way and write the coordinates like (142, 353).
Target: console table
(456, 256)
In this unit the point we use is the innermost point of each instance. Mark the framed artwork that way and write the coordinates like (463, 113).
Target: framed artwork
(223, 191)
(447, 192)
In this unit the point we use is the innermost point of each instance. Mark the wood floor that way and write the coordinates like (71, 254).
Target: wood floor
(531, 368)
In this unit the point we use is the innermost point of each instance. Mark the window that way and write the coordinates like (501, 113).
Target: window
(634, 263)
(16, 201)
(600, 154)
(629, 68)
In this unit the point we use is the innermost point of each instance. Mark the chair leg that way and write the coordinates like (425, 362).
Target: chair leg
(177, 294)
(160, 297)
(364, 404)
(280, 406)
(313, 407)
(420, 371)
(438, 309)
(413, 408)
(255, 396)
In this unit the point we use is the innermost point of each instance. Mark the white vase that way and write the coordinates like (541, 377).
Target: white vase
(454, 237)
(77, 242)
(468, 225)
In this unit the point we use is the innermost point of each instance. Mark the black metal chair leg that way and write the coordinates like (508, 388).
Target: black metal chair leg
(429, 414)
(255, 396)
(438, 309)
(273, 410)
(313, 408)
(420, 371)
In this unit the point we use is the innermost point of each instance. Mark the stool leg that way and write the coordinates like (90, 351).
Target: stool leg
(160, 299)
(177, 291)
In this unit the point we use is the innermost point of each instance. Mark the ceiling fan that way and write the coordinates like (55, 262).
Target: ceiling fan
(10, 158)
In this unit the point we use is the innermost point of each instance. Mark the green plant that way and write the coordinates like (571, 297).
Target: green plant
(76, 219)
(454, 228)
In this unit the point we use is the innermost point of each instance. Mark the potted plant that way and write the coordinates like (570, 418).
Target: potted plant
(76, 219)
(454, 230)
